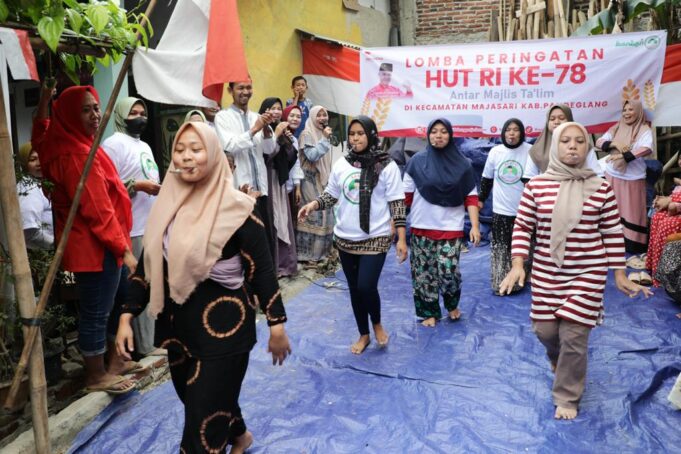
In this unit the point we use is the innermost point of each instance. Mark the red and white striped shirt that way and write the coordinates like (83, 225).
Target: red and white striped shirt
(573, 291)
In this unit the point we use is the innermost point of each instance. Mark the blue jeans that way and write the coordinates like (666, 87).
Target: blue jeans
(362, 273)
(101, 293)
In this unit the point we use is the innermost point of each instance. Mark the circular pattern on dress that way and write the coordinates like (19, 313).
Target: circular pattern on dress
(204, 426)
(212, 305)
(185, 351)
(197, 371)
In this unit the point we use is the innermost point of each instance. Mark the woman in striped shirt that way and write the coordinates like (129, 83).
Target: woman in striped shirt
(579, 236)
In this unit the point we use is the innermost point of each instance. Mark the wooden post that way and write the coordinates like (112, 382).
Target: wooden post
(23, 284)
(30, 337)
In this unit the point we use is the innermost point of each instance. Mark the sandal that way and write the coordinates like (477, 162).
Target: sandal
(110, 386)
(645, 279)
(635, 278)
(636, 263)
(132, 367)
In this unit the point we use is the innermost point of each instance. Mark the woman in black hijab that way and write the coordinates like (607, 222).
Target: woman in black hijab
(367, 187)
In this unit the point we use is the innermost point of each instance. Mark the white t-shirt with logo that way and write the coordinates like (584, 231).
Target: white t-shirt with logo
(344, 184)
(636, 169)
(531, 170)
(506, 167)
(134, 159)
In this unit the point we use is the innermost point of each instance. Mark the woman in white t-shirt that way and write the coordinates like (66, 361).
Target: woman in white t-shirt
(439, 185)
(367, 187)
(629, 142)
(505, 166)
(539, 152)
(36, 211)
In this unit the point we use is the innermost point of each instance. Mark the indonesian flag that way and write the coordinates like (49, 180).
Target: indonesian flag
(19, 54)
(201, 49)
(332, 73)
(668, 109)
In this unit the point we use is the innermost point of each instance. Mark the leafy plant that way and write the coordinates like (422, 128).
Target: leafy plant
(605, 20)
(100, 23)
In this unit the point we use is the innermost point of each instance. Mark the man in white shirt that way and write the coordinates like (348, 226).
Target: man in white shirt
(137, 168)
(245, 135)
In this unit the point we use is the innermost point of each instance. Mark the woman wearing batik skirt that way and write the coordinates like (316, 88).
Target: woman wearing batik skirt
(205, 261)
(314, 234)
(505, 166)
(439, 185)
(628, 143)
(367, 188)
(579, 237)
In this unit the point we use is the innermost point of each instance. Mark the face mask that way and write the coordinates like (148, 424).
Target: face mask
(135, 127)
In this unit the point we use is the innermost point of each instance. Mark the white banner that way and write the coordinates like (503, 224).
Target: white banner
(480, 86)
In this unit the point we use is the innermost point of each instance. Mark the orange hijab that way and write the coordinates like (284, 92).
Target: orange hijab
(204, 214)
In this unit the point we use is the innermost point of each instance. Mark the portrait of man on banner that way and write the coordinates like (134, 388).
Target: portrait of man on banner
(384, 89)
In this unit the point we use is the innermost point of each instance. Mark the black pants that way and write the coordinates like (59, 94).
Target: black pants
(209, 390)
(362, 272)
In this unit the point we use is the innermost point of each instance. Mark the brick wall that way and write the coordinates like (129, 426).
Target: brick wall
(459, 20)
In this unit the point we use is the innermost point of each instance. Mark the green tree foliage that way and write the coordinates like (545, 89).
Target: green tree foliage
(101, 23)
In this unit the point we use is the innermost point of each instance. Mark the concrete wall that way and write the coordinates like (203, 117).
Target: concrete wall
(273, 46)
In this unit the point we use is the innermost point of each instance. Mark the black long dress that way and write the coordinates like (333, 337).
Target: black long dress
(210, 336)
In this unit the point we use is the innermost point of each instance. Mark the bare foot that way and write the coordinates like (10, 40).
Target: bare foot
(455, 314)
(678, 315)
(242, 443)
(381, 336)
(362, 343)
(430, 321)
(553, 368)
(565, 413)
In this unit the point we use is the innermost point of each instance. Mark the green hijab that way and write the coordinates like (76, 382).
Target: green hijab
(122, 110)
(194, 112)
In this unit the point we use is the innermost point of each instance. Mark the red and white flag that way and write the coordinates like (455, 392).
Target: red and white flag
(668, 109)
(332, 73)
(201, 49)
(19, 54)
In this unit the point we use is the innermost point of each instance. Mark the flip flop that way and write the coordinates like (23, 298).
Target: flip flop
(110, 386)
(132, 367)
(635, 278)
(645, 279)
(636, 263)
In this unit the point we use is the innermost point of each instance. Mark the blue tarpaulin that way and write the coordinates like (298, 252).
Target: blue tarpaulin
(481, 384)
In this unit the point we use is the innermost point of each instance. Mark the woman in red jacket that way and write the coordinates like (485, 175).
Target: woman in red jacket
(99, 242)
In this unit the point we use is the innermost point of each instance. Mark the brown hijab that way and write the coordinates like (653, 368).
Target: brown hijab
(205, 215)
(577, 184)
(628, 133)
(540, 150)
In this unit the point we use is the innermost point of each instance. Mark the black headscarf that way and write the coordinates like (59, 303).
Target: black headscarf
(443, 176)
(372, 161)
(279, 161)
(520, 125)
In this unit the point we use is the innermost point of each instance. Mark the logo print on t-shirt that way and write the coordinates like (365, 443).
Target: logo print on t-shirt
(510, 172)
(149, 167)
(351, 188)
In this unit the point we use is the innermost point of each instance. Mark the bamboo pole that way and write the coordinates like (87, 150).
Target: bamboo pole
(30, 337)
(23, 285)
